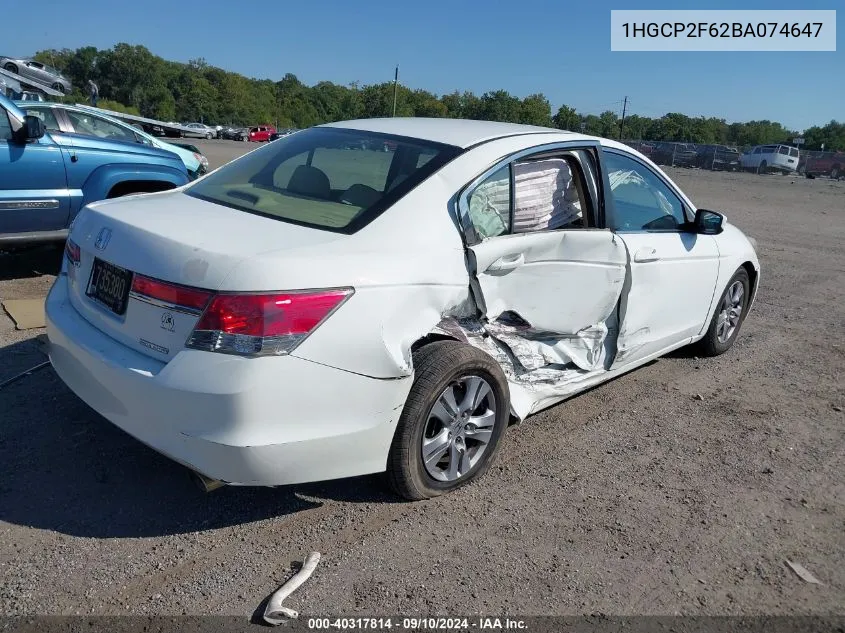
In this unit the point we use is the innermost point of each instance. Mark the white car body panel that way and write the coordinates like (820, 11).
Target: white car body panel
(671, 281)
(274, 420)
(222, 415)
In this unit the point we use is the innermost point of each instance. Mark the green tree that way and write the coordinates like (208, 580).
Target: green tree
(133, 76)
(536, 110)
(500, 105)
(567, 119)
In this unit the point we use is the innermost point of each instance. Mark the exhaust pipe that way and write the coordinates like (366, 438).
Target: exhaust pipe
(206, 484)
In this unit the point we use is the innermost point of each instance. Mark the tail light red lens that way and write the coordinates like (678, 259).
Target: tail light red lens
(72, 252)
(174, 294)
(263, 324)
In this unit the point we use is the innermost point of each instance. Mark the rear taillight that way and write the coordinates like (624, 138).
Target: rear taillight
(172, 294)
(263, 324)
(72, 252)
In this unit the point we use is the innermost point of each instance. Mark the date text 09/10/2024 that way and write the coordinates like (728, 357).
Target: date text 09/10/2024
(417, 624)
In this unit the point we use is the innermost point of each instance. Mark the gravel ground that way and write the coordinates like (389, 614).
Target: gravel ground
(679, 488)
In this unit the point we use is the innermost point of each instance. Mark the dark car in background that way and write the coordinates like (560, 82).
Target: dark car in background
(717, 157)
(674, 154)
(235, 133)
(824, 164)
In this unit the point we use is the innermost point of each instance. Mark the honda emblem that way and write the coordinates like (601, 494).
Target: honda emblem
(103, 238)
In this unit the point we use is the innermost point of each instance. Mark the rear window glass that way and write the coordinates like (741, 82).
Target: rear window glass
(326, 178)
(793, 151)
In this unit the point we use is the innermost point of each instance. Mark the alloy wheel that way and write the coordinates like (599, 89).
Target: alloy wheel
(730, 311)
(459, 428)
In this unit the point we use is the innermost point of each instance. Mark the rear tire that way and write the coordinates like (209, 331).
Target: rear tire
(835, 172)
(728, 317)
(11, 68)
(59, 87)
(762, 168)
(457, 411)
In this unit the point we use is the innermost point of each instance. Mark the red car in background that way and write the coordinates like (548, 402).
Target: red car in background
(261, 133)
(825, 164)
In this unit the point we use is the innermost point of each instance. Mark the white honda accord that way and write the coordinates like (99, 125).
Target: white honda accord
(386, 295)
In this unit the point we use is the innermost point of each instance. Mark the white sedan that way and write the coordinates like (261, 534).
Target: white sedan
(320, 308)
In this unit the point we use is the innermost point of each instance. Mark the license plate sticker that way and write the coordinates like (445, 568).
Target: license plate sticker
(109, 285)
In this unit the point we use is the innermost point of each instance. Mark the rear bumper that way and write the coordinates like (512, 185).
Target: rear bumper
(263, 421)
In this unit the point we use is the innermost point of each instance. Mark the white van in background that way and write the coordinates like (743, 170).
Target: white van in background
(765, 158)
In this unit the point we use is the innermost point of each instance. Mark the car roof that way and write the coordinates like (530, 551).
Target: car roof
(458, 132)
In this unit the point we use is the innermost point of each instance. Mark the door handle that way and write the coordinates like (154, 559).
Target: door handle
(646, 254)
(508, 262)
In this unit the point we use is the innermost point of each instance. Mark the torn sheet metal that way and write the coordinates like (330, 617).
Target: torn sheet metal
(537, 348)
(535, 370)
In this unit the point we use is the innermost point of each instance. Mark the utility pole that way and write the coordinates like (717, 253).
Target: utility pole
(622, 122)
(395, 84)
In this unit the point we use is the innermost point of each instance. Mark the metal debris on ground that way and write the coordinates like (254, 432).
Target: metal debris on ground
(275, 613)
(24, 373)
(802, 573)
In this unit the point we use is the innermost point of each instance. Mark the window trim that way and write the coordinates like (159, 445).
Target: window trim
(610, 204)
(537, 152)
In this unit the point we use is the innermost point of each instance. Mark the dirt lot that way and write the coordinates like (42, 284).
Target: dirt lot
(680, 488)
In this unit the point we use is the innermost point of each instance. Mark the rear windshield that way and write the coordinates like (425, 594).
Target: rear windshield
(326, 178)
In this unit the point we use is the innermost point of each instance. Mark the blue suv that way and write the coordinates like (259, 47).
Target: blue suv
(47, 177)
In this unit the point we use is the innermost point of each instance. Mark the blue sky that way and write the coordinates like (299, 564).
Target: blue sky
(559, 48)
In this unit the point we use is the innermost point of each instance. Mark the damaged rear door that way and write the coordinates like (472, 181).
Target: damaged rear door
(540, 269)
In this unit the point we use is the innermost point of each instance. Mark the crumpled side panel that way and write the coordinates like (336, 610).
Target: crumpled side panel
(536, 348)
(531, 379)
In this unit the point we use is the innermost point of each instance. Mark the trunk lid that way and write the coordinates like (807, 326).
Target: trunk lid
(173, 238)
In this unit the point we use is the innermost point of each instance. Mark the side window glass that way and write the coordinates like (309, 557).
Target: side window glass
(546, 196)
(490, 204)
(94, 126)
(47, 117)
(641, 200)
(5, 126)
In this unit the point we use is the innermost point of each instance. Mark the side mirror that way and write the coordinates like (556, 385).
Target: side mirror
(708, 222)
(31, 130)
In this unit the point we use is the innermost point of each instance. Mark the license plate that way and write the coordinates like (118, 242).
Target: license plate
(110, 286)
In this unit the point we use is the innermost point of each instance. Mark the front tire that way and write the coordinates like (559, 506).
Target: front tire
(454, 417)
(835, 172)
(728, 317)
(764, 166)
(11, 68)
